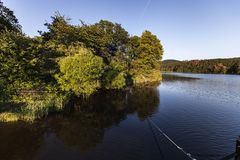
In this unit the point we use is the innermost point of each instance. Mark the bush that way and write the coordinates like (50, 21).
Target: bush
(115, 75)
(81, 72)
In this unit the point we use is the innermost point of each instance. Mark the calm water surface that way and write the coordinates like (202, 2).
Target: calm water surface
(200, 113)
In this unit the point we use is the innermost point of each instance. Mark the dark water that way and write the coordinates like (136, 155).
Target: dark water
(201, 114)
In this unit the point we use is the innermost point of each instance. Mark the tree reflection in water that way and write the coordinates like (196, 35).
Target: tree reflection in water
(81, 126)
(84, 126)
(20, 141)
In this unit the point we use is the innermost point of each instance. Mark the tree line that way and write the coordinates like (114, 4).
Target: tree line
(216, 66)
(72, 59)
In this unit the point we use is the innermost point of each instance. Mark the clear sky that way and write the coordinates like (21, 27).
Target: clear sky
(188, 29)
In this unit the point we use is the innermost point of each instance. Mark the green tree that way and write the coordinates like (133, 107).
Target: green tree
(19, 62)
(116, 35)
(147, 58)
(115, 74)
(108, 40)
(60, 31)
(105, 38)
(221, 66)
(151, 50)
(134, 43)
(8, 19)
(81, 72)
(40, 72)
(235, 68)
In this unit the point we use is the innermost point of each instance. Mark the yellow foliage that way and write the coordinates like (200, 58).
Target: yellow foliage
(151, 77)
(9, 117)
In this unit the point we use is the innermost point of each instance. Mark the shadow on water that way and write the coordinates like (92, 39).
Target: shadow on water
(20, 141)
(200, 114)
(81, 126)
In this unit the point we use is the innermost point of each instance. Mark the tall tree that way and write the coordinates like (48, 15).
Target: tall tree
(19, 61)
(151, 50)
(147, 53)
(8, 19)
(116, 35)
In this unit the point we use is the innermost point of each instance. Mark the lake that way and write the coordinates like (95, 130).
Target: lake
(199, 112)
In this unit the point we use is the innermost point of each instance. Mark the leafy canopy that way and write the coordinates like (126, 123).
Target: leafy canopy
(8, 20)
(81, 72)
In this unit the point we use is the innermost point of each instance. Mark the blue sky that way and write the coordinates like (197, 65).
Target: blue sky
(188, 29)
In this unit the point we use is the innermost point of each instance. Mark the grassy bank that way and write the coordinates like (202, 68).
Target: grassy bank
(31, 107)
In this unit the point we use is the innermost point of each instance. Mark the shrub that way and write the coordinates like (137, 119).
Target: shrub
(81, 72)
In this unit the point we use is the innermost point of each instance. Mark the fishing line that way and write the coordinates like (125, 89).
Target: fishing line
(155, 139)
(165, 135)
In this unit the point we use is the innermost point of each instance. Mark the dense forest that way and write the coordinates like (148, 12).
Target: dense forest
(38, 74)
(217, 66)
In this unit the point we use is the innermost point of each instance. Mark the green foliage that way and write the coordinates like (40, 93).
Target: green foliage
(24, 64)
(147, 58)
(8, 21)
(37, 73)
(60, 31)
(105, 38)
(14, 66)
(111, 42)
(9, 117)
(153, 76)
(38, 106)
(115, 74)
(116, 36)
(81, 72)
(150, 51)
(33, 106)
(134, 51)
(217, 66)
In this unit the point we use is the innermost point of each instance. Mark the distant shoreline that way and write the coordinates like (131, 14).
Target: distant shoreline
(208, 66)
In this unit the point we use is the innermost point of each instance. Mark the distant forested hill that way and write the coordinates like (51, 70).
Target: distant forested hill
(222, 66)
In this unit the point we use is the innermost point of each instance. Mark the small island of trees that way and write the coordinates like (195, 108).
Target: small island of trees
(39, 74)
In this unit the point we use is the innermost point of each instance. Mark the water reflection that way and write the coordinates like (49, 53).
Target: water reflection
(82, 126)
(19, 140)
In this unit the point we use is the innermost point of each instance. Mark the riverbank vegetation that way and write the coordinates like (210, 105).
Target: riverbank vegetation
(39, 74)
(216, 66)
